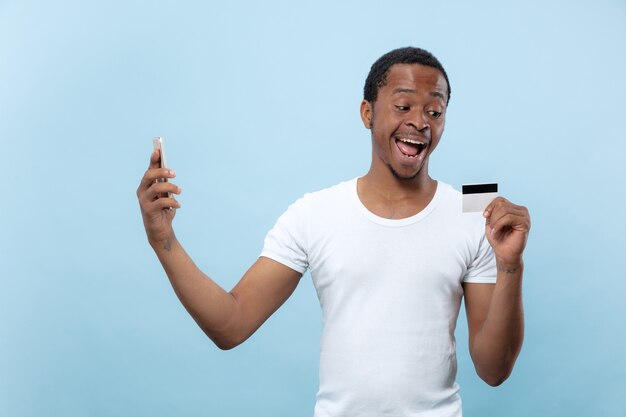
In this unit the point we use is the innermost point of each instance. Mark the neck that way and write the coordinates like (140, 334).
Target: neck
(384, 183)
(394, 198)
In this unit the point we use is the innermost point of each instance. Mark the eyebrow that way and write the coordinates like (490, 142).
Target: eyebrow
(438, 94)
(410, 90)
(403, 90)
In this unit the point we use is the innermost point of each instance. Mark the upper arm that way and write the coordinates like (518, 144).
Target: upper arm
(261, 291)
(477, 301)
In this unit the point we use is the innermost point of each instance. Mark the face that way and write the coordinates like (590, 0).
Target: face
(407, 120)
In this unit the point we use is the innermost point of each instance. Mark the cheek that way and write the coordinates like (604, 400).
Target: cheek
(436, 138)
(380, 134)
(438, 128)
(383, 124)
(380, 138)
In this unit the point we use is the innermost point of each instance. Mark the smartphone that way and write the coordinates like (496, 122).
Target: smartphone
(157, 142)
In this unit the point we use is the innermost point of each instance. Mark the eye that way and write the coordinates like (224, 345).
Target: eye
(402, 108)
(435, 114)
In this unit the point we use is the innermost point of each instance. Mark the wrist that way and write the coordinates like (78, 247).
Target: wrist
(163, 244)
(509, 266)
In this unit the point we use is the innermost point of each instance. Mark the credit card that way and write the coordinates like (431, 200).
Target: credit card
(476, 197)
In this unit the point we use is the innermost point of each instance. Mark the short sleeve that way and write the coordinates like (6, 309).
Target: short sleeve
(483, 267)
(286, 241)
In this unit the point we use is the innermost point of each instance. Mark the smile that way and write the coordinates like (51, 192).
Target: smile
(410, 147)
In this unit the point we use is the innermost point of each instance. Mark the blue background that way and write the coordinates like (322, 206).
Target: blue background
(258, 104)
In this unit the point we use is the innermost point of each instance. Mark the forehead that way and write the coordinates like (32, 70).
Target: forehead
(421, 78)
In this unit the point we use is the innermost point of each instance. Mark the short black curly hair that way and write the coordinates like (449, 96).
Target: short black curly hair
(377, 76)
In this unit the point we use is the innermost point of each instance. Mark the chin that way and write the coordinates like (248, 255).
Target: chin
(406, 176)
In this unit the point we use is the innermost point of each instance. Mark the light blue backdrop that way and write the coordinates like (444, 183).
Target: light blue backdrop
(258, 103)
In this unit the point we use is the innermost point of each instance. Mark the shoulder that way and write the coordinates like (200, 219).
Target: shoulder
(328, 197)
(317, 209)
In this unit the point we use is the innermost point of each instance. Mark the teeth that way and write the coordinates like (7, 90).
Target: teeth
(414, 142)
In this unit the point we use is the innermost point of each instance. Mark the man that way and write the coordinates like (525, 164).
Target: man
(390, 253)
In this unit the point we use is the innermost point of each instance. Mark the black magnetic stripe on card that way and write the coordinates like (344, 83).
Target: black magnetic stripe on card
(480, 188)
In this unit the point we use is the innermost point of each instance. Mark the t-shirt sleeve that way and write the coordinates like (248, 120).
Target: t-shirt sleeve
(483, 267)
(286, 241)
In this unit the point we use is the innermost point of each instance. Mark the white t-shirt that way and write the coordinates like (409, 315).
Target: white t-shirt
(390, 293)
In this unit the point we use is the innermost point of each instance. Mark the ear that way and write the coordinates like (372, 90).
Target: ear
(366, 114)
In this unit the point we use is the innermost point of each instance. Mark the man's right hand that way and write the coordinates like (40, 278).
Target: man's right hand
(155, 204)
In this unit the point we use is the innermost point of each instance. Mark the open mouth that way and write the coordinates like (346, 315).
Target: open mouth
(410, 147)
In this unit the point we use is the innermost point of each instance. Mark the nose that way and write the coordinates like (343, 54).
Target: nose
(418, 120)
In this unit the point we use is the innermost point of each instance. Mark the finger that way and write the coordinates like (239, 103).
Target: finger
(163, 203)
(502, 210)
(494, 203)
(154, 174)
(158, 190)
(510, 221)
(161, 189)
(155, 159)
(501, 203)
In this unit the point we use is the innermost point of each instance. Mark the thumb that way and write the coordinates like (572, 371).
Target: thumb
(155, 159)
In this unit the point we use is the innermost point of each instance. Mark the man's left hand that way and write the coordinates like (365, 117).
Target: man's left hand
(507, 226)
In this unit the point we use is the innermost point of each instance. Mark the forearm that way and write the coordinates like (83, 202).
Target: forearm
(214, 309)
(497, 344)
